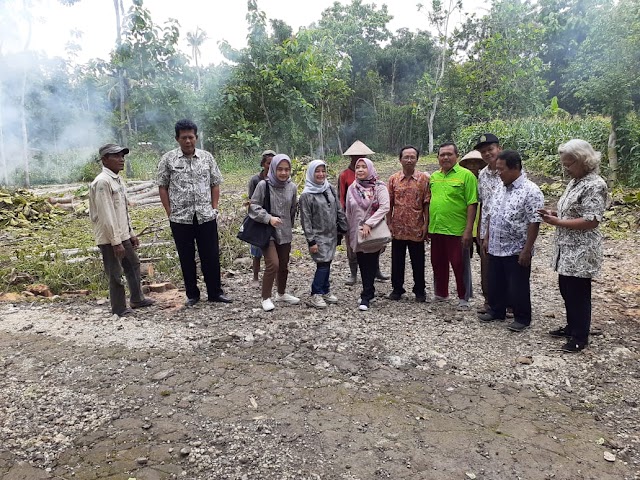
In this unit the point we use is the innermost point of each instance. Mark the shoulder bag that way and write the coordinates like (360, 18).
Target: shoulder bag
(256, 233)
(380, 235)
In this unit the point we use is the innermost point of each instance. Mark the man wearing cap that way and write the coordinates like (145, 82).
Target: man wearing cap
(473, 162)
(113, 233)
(357, 150)
(453, 198)
(189, 182)
(408, 218)
(488, 183)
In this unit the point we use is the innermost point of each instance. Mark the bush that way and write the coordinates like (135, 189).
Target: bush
(538, 139)
(628, 133)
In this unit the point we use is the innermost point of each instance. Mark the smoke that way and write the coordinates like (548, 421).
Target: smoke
(50, 125)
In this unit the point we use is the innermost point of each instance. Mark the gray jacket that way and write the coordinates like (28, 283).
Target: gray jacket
(322, 218)
(283, 205)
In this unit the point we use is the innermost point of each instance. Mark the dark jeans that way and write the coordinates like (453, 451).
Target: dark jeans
(398, 260)
(205, 236)
(320, 284)
(114, 269)
(509, 286)
(576, 293)
(368, 263)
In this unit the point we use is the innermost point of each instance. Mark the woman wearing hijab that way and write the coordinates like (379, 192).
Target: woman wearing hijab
(281, 215)
(577, 253)
(322, 220)
(367, 205)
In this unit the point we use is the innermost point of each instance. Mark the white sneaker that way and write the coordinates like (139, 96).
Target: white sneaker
(287, 298)
(267, 305)
(363, 307)
(330, 298)
(463, 304)
(317, 301)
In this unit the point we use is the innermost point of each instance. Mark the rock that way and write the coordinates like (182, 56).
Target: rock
(142, 460)
(470, 475)
(162, 375)
(101, 301)
(185, 451)
(609, 457)
(525, 360)
(441, 363)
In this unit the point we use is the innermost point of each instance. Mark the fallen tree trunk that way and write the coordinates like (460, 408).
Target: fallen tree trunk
(141, 186)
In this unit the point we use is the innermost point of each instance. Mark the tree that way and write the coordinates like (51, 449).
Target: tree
(503, 74)
(607, 62)
(195, 40)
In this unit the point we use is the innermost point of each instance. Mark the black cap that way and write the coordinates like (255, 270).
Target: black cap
(485, 139)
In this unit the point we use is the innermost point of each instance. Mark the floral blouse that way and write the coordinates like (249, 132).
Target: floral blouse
(578, 253)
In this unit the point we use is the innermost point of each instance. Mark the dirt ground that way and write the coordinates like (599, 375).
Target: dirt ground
(403, 391)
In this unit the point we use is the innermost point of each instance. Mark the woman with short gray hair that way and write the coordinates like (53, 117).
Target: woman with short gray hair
(578, 243)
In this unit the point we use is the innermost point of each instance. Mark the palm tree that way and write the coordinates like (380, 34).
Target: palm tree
(195, 40)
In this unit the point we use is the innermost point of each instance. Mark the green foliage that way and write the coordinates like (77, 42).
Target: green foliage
(628, 132)
(538, 139)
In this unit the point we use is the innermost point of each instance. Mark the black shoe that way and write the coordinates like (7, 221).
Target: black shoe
(394, 296)
(574, 346)
(220, 299)
(560, 332)
(190, 302)
(127, 312)
(147, 302)
(488, 317)
(422, 298)
(517, 326)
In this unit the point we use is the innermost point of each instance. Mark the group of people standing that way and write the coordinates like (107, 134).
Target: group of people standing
(491, 204)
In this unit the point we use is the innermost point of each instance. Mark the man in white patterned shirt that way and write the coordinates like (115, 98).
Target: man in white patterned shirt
(488, 182)
(512, 228)
(189, 182)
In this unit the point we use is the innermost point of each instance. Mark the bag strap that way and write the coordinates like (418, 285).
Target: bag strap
(266, 201)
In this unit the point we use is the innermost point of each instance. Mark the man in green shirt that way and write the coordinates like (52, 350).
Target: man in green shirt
(453, 200)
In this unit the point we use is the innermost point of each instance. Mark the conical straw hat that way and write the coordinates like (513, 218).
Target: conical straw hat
(358, 148)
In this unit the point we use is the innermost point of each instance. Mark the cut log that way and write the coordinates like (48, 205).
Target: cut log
(141, 186)
(161, 287)
(145, 201)
(58, 200)
(150, 193)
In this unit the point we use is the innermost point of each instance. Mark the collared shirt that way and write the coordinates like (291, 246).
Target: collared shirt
(108, 209)
(450, 194)
(512, 209)
(488, 182)
(408, 197)
(189, 181)
(578, 253)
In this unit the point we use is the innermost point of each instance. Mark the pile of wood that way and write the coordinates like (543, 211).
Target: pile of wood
(138, 193)
(143, 193)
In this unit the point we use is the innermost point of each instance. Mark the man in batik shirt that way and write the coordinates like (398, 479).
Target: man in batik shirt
(512, 229)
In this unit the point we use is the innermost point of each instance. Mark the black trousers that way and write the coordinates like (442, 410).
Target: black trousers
(368, 263)
(205, 236)
(509, 286)
(398, 259)
(114, 268)
(576, 293)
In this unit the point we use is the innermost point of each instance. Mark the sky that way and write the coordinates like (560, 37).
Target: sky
(221, 20)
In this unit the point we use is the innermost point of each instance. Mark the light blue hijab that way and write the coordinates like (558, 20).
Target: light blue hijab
(310, 186)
